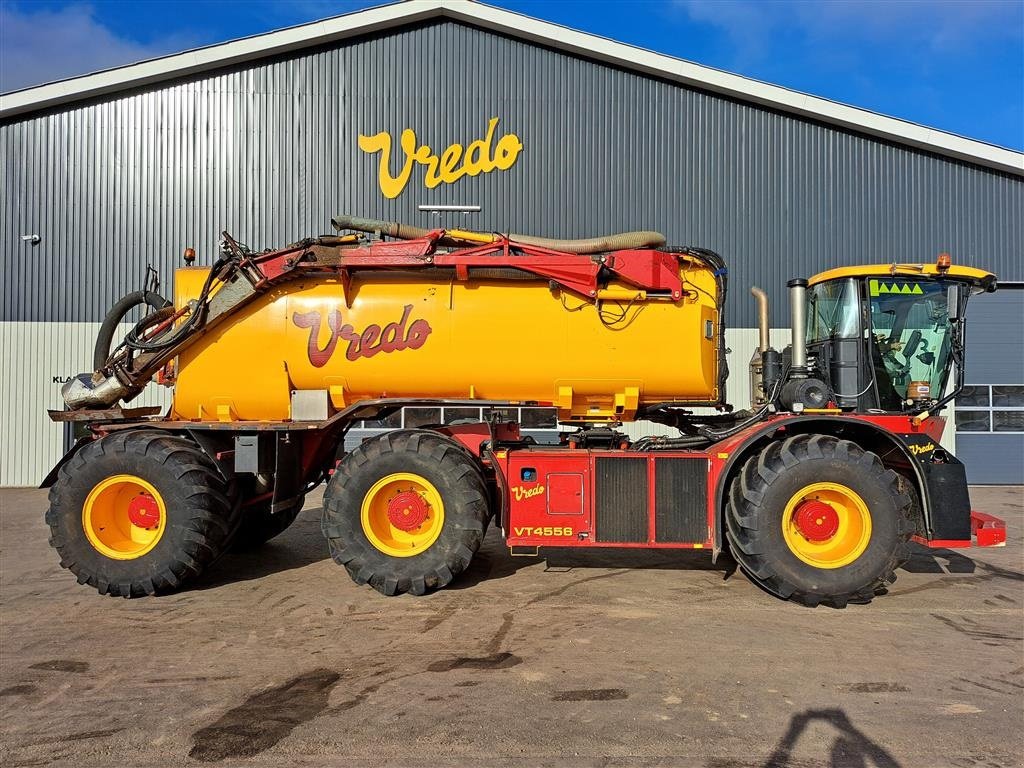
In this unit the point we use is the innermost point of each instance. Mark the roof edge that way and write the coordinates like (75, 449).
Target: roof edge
(522, 27)
(219, 55)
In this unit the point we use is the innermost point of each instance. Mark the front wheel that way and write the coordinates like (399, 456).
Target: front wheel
(818, 520)
(406, 511)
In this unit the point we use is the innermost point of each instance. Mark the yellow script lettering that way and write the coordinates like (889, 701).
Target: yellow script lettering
(525, 493)
(481, 156)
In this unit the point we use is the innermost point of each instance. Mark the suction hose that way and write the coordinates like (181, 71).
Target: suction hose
(591, 245)
(114, 317)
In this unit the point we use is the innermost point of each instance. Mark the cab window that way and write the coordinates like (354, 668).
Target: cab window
(911, 332)
(833, 311)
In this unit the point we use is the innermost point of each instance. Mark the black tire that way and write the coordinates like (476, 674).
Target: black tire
(764, 486)
(200, 515)
(258, 525)
(452, 471)
(117, 313)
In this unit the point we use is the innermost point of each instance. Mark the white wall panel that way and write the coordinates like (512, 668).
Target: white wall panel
(32, 355)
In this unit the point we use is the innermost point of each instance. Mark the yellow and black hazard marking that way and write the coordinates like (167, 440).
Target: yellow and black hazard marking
(884, 287)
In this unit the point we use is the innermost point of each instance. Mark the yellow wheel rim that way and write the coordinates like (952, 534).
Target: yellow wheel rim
(827, 525)
(402, 514)
(124, 517)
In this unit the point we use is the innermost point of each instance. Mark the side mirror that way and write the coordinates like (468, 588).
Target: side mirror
(953, 302)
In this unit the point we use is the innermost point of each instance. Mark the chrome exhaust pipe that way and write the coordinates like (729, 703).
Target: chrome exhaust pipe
(88, 390)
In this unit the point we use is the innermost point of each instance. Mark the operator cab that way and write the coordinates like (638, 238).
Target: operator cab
(883, 338)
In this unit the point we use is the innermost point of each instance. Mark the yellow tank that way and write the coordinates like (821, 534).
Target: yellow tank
(410, 335)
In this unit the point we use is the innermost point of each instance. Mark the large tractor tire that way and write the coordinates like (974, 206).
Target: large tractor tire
(259, 525)
(139, 513)
(406, 512)
(816, 519)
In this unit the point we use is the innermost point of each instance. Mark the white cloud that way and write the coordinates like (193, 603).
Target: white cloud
(39, 46)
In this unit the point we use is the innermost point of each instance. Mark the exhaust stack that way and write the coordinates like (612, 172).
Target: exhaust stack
(766, 363)
(762, 317)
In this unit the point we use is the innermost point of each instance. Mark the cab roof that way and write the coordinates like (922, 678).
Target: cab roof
(973, 275)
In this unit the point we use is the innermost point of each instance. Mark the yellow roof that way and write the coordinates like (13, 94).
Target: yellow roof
(955, 272)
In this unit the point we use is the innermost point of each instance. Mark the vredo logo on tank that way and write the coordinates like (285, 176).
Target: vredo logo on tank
(482, 155)
(372, 340)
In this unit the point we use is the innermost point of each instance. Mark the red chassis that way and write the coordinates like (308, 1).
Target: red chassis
(562, 496)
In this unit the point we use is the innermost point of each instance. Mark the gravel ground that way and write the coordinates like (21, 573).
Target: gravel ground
(602, 658)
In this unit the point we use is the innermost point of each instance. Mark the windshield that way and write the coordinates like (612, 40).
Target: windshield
(912, 335)
(832, 311)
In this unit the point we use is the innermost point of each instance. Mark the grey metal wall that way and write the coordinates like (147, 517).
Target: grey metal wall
(995, 355)
(269, 152)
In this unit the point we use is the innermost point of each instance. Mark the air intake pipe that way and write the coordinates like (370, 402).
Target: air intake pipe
(798, 315)
(801, 391)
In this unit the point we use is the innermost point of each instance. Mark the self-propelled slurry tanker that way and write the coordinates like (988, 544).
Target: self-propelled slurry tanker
(816, 489)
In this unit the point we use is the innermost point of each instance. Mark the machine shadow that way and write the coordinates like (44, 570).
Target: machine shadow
(493, 561)
(300, 545)
(303, 544)
(846, 747)
(940, 560)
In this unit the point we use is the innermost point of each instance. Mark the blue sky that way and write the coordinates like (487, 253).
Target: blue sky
(957, 65)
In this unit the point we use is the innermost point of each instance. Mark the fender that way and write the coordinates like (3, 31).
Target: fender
(204, 445)
(51, 476)
(741, 446)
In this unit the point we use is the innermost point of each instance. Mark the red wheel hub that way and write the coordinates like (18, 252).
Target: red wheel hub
(407, 510)
(143, 511)
(816, 521)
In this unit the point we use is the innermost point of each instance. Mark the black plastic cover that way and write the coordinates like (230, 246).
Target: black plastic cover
(950, 500)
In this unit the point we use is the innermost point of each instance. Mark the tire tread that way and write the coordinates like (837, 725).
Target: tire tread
(208, 523)
(744, 514)
(466, 515)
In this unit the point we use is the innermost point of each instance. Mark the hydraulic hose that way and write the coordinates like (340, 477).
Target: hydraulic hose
(642, 239)
(117, 313)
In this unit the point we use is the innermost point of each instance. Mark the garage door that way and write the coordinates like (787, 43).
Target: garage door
(990, 411)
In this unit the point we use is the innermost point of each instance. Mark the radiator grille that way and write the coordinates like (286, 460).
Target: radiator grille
(681, 500)
(621, 494)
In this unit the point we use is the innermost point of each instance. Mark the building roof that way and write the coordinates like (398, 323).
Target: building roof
(522, 27)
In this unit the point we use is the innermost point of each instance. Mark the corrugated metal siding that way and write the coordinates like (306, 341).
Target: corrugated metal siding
(995, 355)
(269, 152)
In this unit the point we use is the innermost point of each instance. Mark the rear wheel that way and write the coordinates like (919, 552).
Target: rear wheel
(817, 520)
(138, 512)
(405, 512)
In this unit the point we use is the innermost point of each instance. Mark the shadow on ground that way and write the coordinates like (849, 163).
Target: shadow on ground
(848, 747)
(925, 560)
(300, 545)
